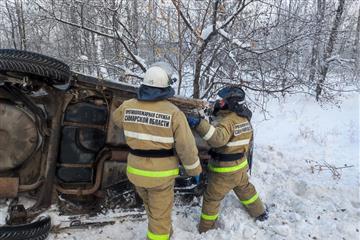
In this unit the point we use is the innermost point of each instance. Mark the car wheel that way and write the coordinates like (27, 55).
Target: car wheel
(29, 63)
(38, 230)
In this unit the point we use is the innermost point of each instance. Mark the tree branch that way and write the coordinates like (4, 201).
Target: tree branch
(176, 3)
(117, 37)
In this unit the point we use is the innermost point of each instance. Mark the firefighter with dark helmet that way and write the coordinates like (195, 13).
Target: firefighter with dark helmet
(229, 139)
(153, 129)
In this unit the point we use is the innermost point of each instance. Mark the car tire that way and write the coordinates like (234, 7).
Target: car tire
(50, 69)
(38, 230)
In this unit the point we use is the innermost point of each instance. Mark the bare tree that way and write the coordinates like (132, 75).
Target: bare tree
(329, 48)
(21, 23)
(357, 47)
(12, 24)
(205, 35)
(271, 48)
(315, 51)
(180, 48)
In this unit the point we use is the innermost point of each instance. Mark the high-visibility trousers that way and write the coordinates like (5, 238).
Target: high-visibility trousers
(158, 203)
(219, 185)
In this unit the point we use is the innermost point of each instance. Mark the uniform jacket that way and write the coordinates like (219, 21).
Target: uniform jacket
(230, 134)
(155, 125)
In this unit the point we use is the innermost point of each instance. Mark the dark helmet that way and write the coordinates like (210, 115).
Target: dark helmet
(234, 98)
(232, 91)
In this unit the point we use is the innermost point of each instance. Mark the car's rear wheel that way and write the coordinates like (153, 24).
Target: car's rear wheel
(37, 230)
(33, 64)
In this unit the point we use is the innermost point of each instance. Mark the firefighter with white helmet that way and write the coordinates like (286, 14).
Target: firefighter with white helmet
(154, 128)
(229, 139)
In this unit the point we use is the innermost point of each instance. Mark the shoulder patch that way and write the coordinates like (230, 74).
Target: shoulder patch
(140, 116)
(242, 128)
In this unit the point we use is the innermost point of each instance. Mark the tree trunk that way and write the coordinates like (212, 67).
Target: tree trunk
(329, 48)
(287, 35)
(75, 46)
(201, 50)
(315, 48)
(180, 65)
(116, 44)
(357, 47)
(21, 23)
(197, 74)
(12, 25)
(135, 22)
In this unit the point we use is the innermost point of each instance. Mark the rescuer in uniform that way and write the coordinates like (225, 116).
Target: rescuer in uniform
(229, 139)
(154, 128)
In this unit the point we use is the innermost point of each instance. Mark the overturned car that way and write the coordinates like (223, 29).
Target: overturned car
(59, 145)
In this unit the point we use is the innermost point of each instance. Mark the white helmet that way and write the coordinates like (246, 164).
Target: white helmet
(156, 77)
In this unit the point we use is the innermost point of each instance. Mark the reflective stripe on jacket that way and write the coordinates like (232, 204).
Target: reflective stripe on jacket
(156, 125)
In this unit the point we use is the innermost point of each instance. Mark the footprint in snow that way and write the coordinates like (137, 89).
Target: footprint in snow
(300, 188)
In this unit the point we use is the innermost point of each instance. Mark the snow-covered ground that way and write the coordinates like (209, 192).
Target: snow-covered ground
(305, 201)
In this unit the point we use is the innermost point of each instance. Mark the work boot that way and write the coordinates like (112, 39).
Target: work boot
(264, 216)
(205, 226)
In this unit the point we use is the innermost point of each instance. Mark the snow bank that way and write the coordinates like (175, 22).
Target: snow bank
(303, 204)
(302, 130)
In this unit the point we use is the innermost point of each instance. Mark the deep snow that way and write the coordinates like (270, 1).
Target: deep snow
(304, 204)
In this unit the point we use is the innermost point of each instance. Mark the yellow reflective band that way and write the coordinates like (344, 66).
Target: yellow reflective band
(209, 217)
(154, 236)
(228, 169)
(145, 173)
(251, 200)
